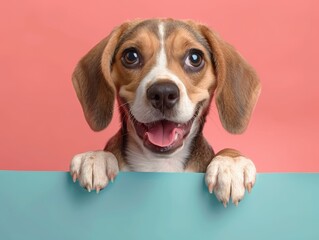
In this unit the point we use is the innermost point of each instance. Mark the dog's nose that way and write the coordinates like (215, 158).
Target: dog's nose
(163, 95)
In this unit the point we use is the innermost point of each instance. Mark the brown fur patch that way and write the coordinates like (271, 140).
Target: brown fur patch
(115, 145)
(198, 84)
(229, 153)
(201, 155)
(125, 79)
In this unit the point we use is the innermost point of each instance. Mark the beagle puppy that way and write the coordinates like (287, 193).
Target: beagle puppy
(164, 74)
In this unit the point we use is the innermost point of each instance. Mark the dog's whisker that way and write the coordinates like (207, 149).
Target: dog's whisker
(126, 103)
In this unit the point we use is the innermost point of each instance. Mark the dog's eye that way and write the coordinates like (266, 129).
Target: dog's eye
(131, 58)
(194, 60)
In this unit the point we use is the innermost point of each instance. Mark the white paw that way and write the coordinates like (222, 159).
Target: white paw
(228, 177)
(94, 169)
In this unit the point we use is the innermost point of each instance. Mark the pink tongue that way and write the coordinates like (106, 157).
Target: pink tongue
(163, 133)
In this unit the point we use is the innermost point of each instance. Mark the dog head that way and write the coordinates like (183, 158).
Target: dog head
(164, 74)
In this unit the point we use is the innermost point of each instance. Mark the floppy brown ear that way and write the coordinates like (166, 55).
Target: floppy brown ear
(238, 86)
(93, 84)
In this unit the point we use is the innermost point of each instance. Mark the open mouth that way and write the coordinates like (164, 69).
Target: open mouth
(163, 136)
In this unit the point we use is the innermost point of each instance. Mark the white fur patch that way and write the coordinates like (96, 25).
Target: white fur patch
(142, 110)
(228, 177)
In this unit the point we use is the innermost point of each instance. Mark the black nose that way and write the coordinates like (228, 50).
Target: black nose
(163, 95)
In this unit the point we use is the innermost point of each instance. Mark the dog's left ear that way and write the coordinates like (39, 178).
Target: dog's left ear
(93, 84)
(238, 86)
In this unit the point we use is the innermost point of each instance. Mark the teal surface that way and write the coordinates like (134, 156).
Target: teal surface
(48, 205)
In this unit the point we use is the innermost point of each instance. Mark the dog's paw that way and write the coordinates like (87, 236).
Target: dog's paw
(94, 169)
(229, 177)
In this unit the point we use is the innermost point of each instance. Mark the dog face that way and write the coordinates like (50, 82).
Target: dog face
(163, 79)
(165, 73)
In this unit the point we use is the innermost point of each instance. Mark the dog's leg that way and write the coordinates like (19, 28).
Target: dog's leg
(94, 169)
(229, 174)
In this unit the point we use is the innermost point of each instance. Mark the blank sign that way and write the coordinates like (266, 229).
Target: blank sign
(48, 205)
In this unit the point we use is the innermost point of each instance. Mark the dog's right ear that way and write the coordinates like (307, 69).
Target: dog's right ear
(93, 84)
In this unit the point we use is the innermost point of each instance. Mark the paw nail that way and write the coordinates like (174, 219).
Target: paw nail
(74, 177)
(210, 188)
(98, 190)
(112, 177)
(249, 187)
(88, 188)
(225, 204)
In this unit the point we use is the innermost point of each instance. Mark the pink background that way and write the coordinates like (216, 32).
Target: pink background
(42, 125)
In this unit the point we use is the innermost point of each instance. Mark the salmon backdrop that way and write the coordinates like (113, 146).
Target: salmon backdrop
(42, 125)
